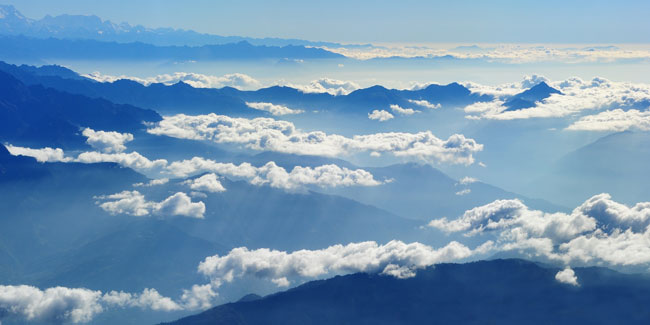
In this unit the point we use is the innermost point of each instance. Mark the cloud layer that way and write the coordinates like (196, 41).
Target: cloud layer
(107, 141)
(276, 110)
(380, 115)
(134, 203)
(598, 232)
(196, 80)
(282, 136)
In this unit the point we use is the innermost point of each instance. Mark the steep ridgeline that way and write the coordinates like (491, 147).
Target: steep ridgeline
(183, 98)
(485, 292)
(48, 117)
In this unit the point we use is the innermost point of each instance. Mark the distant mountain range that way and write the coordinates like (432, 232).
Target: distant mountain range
(12, 22)
(485, 292)
(183, 98)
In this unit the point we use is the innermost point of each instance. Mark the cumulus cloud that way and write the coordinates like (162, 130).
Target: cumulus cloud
(42, 155)
(107, 141)
(467, 180)
(282, 136)
(464, 192)
(79, 305)
(424, 103)
(269, 174)
(327, 85)
(276, 110)
(196, 80)
(577, 97)
(598, 232)
(380, 115)
(134, 203)
(395, 258)
(567, 276)
(206, 183)
(616, 120)
(402, 111)
(276, 176)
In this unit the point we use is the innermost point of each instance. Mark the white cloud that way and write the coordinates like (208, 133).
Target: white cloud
(424, 103)
(394, 258)
(276, 110)
(283, 136)
(464, 192)
(53, 305)
(196, 80)
(567, 276)
(505, 53)
(467, 180)
(598, 232)
(578, 96)
(380, 115)
(134, 203)
(107, 141)
(616, 120)
(329, 86)
(42, 155)
(79, 305)
(268, 174)
(276, 176)
(402, 111)
(153, 182)
(206, 183)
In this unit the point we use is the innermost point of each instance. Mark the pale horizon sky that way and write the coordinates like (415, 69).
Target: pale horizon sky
(406, 21)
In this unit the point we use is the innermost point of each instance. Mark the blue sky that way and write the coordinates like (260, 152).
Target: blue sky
(550, 21)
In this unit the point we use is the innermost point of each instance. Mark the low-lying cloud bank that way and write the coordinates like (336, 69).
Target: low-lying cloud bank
(196, 80)
(79, 305)
(269, 174)
(282, 136)
(134, 203)
(276, 110)
(623, 100)
(601, 231)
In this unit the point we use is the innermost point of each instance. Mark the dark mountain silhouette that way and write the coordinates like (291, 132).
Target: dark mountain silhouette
(486, 292)
(529, 97)
(44, 116)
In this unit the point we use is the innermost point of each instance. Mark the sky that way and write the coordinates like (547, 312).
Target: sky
(406, 21)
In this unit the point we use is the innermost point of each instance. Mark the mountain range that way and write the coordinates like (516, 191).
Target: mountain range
(496, 291)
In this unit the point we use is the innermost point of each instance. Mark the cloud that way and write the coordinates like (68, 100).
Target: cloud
(503, 53)
(53, 305)
(329, 86)
(402, 111)
(79, 305)
(467, 180)
(463, 192)
(107, 141)
(268, 174)
(153, 182)
(598, 232)
(380, 115)
(276, 176)
(276, 110)
(196, 80)
(616, 120)
(206, 183)
(134, 203)
(282, 136)
(395, 258)
(567, 276)
(424, 103)
(578, 96)
(42, 155)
